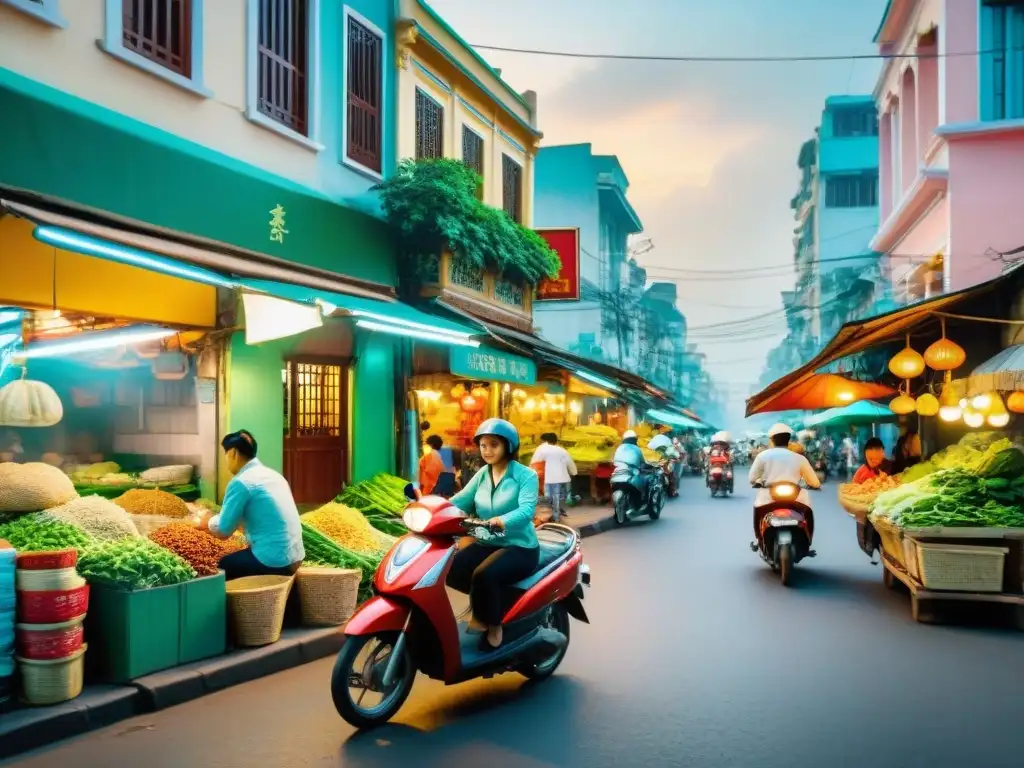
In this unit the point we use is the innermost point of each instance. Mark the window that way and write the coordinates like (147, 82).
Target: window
(159, 30)
(364, 78)
(853, 191)
(1002, 63)
(473, 152)
(848, 123)
(282, 75)
(512, 188)
(44, 10)
(429, 127)
(161, 37)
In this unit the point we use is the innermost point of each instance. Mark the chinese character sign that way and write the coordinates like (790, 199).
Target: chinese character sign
(566, 287)
(277, 224)
(489, 364)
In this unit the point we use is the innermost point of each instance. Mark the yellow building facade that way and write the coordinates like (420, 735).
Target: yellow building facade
(451, 103)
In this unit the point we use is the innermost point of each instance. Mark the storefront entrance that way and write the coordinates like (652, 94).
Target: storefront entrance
(315, 419)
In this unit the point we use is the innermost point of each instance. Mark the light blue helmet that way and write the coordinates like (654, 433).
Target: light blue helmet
(499, 428)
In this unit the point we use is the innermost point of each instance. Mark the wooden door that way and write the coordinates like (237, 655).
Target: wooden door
(315, 421)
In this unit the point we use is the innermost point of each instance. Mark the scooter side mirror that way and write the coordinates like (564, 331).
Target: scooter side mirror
(410, 492)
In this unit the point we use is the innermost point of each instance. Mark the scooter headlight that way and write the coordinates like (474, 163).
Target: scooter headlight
(784, 492)
(408, 549)
(416, 518)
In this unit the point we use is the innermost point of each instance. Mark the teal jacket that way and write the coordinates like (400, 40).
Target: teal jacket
(514, 500)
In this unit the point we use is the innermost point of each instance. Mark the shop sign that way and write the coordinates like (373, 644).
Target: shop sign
(491, 365)
(565, 241)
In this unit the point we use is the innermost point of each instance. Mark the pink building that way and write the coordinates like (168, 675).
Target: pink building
(951, 141)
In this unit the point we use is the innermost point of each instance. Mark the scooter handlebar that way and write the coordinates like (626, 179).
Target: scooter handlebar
(471, 522)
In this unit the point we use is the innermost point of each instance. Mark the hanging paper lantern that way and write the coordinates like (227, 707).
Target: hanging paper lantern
(907, 363)
(944, 355)
(902, 405)
(458, 392)
(997, 415)
(950, 408)
(480, 392)
(471, 404)
(1015, 402)
(927, 404)
(973, 418)
(981, 403)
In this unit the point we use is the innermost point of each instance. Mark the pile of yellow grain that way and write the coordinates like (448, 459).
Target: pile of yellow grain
(347, 526)
(152, 502)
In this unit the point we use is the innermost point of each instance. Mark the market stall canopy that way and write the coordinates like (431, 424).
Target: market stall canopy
(860, 335)
(1003, 372)
(858, 414)
(675, 420)
(822, 390)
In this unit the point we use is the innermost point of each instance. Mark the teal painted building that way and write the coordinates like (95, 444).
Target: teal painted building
(247, 164)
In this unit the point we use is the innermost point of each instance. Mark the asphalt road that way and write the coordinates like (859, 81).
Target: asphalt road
(696, 656)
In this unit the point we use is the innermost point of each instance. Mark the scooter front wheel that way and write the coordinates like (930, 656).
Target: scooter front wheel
(620, 503)
(357, 683)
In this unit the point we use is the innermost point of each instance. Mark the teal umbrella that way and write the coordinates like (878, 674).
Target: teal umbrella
(860, 413)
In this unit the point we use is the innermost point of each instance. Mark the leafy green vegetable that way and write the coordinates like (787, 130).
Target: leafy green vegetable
(382, 495)
(952, 498)
(37, 533)
(132, 564)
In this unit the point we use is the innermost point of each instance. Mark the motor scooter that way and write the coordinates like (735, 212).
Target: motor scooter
(410, 626)
(719, 479)
(670, 474)
(786, 530)
(637, 492)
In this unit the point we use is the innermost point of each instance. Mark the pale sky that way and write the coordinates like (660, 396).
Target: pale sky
(710, 148)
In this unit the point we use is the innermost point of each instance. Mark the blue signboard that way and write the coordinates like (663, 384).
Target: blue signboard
(490, 365)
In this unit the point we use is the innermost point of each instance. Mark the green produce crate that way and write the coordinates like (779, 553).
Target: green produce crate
(203, 627)
(131, 634)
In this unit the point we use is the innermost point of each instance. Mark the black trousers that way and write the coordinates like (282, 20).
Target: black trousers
(482, 571)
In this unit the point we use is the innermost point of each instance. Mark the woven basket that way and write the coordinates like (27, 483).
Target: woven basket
(51, 580)
(149, 523)
(961, 568)
(328, 595)
(175, 474)
(51, 682)
(256, 606)
(892, 541)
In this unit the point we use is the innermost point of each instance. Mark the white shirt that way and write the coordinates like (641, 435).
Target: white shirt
(261, 500)
(781, 465)
(558, 464)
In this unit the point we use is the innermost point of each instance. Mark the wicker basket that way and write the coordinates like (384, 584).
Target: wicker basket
(328, 595)
(892, 541)
(256, 606)
(146, 524)
(51, 682)
(50, 580)
(961, 568)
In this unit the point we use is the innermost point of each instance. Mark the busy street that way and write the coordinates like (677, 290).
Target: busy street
(695, 655)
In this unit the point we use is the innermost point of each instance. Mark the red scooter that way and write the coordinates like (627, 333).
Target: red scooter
(410, 626)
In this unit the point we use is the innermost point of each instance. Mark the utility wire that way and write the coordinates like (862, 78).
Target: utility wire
(739, 59)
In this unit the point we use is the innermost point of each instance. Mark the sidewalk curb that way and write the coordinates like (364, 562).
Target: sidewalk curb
(598, 526)
(102, 705)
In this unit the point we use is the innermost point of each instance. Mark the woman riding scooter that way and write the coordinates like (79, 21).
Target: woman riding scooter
(504, 494)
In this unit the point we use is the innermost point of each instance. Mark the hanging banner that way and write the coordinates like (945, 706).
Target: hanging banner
(565, 241)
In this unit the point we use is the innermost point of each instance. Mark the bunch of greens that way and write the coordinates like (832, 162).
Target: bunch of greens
(383, 496)
(37, 533)
(974, 453)
(955, 498)
(132, 564)
(433, 206)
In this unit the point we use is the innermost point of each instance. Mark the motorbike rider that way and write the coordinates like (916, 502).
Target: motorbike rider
(503, 493)
(780, 464)
(629, 453)
(669, 458)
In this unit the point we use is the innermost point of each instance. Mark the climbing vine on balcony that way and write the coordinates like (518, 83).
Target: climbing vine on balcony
(433, 205)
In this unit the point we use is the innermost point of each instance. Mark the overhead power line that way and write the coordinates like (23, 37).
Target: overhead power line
(738, 59)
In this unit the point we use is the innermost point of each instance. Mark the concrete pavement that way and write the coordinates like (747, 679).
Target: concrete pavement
(696, 656)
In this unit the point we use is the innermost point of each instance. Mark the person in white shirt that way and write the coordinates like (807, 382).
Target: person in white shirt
(559, 469)
(779, 464)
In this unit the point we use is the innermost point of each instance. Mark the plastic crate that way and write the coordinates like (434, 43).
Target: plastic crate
(202, 630)
(961, 568)
(131, 634)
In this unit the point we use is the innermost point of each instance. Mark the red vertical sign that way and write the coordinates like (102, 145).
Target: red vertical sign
(565, 241)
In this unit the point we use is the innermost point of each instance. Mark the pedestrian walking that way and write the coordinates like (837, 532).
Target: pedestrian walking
(559, 469)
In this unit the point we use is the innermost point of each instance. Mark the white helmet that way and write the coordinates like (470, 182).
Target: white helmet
(659, 441)
(780, 429)
(721, 437)
(629, 433)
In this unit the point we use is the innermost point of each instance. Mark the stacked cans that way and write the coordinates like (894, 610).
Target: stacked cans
(7, 619)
